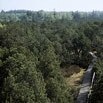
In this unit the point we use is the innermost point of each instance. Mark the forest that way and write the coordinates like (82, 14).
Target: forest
(36, 45)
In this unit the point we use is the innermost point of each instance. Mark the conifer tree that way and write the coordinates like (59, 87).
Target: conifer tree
(22, 84)
(56, 88)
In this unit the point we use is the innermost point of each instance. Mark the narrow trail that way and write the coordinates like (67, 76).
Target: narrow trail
(87, 81)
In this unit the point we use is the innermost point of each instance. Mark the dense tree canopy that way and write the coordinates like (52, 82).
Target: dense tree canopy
(34, 46)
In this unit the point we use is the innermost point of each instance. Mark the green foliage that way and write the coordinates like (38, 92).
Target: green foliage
(35, 45)
(97, 93)
(55, 85)
(22, 83)
(40, 16)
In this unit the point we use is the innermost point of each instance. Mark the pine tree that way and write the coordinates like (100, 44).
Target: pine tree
(23, 84)
(49, 65)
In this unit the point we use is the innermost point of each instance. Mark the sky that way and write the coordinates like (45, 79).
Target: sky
(51, 5)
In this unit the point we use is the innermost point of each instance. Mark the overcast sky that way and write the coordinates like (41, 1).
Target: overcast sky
(50, 5)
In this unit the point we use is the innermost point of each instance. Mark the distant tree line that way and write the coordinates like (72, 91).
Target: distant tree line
(40, 16)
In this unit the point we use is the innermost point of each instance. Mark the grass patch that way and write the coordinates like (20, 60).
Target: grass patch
(73, 77)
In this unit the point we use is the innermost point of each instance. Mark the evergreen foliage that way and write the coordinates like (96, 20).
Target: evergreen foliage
(35, 45)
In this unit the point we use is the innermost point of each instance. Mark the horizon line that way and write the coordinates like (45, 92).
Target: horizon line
(52, 10)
